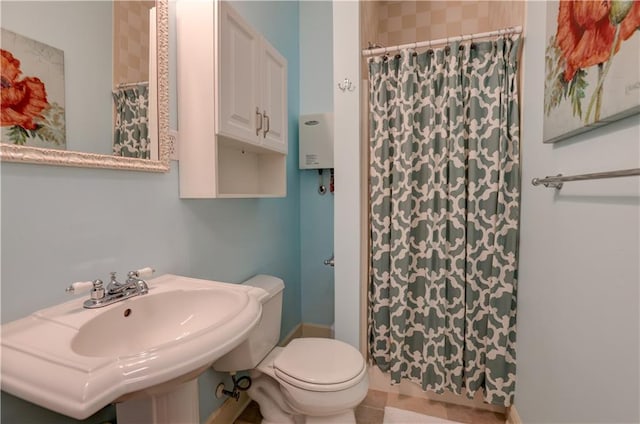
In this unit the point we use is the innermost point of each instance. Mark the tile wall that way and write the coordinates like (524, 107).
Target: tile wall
(400, 22)
(131, 41)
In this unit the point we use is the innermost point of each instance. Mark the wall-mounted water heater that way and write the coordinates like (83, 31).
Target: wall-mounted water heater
(316, 141)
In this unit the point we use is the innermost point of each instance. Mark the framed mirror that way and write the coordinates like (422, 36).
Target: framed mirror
(89, 133)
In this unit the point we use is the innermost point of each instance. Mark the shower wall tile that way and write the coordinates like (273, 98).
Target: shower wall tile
(394, 23)
(421, 17)
(506, 14)
(409, 21)
(422, 6)
(453, 13)
(423, 33)
(394, 9)
(436, 31)
(131, 41)
(408, 8)
(389, 23)
(438, 16)
(401, 22)
(370, 23)
(370, 27)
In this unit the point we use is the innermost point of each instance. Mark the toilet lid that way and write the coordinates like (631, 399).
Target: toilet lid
(316, 361)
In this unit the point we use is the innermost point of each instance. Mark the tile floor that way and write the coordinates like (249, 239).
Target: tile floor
(371, 410)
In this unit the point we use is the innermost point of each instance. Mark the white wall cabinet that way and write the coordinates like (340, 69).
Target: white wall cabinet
(254, 76)
(232, 105)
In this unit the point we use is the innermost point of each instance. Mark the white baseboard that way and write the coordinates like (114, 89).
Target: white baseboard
(512, 415)
(230, 410)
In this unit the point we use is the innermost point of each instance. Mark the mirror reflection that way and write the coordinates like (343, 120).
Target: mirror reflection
(76, 76)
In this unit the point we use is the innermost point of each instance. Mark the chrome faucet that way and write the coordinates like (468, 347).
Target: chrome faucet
(115, 291)
(133, 283)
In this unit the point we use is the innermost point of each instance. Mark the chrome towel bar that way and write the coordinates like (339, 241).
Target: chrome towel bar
(556, 182)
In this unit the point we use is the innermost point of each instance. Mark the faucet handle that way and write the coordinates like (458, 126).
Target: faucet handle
(141, 273)
(82, 286)
(79, 287)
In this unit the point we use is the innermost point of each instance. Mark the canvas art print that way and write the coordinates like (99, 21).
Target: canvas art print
(32, 92)
(592, 75)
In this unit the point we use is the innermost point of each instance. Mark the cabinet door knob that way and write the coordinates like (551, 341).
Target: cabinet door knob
(258, 121)
(268, 126)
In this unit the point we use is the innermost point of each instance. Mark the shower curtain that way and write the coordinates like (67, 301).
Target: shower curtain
(131, 135)
(444, 215)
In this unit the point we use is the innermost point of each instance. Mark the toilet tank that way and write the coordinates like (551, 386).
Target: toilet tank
(264, 336)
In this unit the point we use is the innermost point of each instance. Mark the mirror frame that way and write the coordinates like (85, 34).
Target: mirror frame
(37, 155)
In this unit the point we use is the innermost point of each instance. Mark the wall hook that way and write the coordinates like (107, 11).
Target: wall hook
(346, 85)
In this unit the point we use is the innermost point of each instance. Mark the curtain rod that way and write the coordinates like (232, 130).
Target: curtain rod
(441, 41)
(131, 84)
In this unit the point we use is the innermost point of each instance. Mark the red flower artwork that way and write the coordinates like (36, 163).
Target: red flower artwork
(586, 31)
(22, 100)
(589, 34)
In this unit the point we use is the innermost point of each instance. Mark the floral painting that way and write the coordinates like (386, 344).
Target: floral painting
(592, 75)
(32, 112)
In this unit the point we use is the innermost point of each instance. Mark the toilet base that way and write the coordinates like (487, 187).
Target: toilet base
(266, 393)
(344, 418)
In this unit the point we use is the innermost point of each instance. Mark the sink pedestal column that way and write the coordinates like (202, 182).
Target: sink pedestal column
(178, 405)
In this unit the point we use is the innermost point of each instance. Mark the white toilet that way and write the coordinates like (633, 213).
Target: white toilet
(311, 380)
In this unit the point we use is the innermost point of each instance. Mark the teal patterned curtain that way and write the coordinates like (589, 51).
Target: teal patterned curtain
(131, 135)
(445, 195)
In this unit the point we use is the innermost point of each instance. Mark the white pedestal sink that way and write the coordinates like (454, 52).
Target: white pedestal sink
(145, 352)
(179, 404)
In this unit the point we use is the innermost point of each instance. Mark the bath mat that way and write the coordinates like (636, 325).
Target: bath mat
(400, 416)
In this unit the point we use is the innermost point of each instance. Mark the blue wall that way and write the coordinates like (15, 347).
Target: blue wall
(316, 245)
(316, 211)
(578, 293)
(65, 224)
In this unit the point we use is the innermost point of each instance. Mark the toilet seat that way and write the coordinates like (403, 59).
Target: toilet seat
(319, 365)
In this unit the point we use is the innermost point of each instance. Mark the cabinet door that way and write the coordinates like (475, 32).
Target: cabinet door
(274, 98)
(238, 82)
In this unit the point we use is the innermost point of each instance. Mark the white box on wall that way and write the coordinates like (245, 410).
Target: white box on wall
(316, 141)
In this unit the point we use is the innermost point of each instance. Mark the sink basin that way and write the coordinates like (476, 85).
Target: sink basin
(75, 361)
(149, 322)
